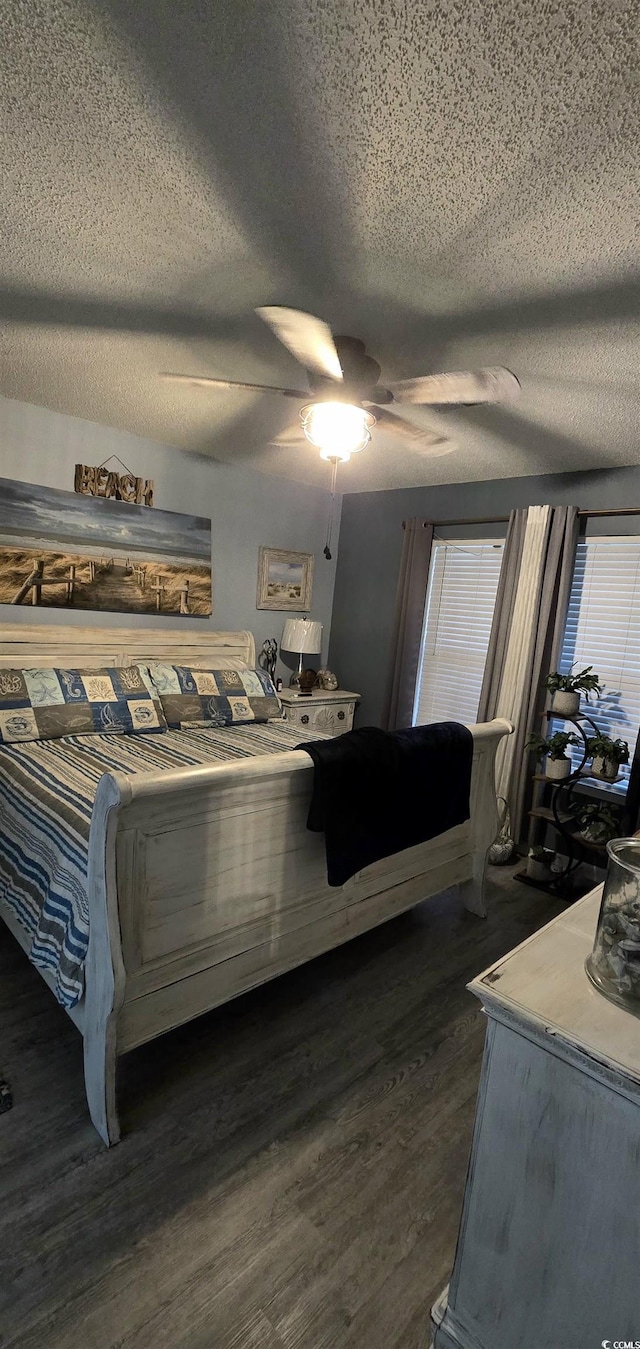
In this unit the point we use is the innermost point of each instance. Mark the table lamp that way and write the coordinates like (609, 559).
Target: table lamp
(304, 636)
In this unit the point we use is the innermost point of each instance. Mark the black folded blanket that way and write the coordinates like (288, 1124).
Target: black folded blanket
(377, 792)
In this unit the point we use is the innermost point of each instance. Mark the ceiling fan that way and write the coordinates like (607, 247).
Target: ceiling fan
(345, 399)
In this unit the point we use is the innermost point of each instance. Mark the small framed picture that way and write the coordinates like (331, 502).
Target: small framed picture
(285, 580)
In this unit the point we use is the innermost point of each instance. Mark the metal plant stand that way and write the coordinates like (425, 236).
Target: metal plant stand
(560, 812)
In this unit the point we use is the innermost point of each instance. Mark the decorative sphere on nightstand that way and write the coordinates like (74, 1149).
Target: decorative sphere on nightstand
(327, 680)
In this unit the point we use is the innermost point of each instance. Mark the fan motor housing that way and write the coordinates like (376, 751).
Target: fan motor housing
(361, 374)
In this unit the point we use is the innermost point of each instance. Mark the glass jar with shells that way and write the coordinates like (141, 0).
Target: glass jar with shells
(614, 963)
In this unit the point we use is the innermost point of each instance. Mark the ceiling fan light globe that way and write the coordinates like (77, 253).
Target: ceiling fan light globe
(337, 429)
(335, 456)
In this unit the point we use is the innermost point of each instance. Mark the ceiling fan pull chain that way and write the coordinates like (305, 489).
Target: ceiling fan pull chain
(334, 474)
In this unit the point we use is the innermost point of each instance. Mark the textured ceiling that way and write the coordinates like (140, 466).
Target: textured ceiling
(454, 182)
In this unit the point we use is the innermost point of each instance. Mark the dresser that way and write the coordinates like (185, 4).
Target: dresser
(548, 1251)
(328, 712)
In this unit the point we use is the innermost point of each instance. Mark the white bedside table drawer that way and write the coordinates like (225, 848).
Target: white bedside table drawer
(315, 716)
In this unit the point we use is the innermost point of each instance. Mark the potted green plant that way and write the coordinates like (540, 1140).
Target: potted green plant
(607, 756)
(554, 750)
(539, 863)
(598, 821)
(567, 688)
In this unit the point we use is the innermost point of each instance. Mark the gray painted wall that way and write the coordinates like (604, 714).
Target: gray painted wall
(371, 542)
(247, 509)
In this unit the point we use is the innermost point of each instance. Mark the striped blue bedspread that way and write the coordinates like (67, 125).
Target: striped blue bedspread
(47, 790)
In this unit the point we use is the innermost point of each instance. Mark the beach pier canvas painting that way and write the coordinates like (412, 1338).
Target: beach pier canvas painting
(285, 580)
(66, 550)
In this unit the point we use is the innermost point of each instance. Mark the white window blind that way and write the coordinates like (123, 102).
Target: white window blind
(603, 630)
(457, 625)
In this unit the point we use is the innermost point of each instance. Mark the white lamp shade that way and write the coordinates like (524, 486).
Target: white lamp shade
(301, 634)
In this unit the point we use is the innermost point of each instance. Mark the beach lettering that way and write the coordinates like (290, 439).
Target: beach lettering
(103, 482)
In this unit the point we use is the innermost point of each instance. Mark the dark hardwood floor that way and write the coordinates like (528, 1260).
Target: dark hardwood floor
(292, 1165)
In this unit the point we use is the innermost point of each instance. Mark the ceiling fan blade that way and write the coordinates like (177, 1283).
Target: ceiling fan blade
(306, 337)
(207, 380)
(418, 436)
(292, 437)
(494, 384)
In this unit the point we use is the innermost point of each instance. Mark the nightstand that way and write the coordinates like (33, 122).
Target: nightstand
(328, 712)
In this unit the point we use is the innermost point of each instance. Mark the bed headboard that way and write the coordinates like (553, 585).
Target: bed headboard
(43, 645)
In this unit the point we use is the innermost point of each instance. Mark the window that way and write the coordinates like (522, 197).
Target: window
(603, 630)
(461, 598)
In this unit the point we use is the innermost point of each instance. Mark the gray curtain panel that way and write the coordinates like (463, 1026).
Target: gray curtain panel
(502, 615)
(410, 601)
(554, 602)
(551, 612)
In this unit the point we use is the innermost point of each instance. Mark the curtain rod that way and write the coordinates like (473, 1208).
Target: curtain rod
(504, 519)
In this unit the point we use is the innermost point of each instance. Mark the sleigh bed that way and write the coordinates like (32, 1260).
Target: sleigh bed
(202, 880)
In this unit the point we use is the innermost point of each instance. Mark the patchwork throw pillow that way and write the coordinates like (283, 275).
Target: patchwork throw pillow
(47, 704)
(222, 697)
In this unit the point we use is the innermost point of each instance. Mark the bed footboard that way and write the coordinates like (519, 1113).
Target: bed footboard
(204, 882)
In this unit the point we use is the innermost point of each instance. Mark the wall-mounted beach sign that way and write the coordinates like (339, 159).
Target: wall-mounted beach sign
(100, 481)
(67, 550)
